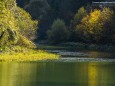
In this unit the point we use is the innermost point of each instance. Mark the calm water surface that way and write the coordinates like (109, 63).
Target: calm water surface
(57, 73)
(73, 69)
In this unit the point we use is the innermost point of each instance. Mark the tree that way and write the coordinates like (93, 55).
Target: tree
(46, 11)
(79, 16)
(22, 3)
(27, 27)
(39, 11)
(93, 25)
(11, 27)
(81, 13)
(37, 8)
(58, 33)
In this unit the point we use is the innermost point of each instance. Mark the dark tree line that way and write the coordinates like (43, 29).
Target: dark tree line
(46, 11)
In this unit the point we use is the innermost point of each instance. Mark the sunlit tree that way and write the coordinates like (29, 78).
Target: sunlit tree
(12, 21)
(93, 25)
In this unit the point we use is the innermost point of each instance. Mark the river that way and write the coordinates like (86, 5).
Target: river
(67, 71)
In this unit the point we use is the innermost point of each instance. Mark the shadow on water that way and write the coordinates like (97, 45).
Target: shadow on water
(57, 74)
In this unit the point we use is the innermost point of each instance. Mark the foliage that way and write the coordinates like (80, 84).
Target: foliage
(8, 26)
(23, 41)
(27, 26)
(108, 20)
(81, 13)
(58, 32)
(79, 16)
(46, 11)
(93, 25)
(87, 25)
(12, 21)
(22, 3)
(10, 4)
(38, 8)
(16, 28)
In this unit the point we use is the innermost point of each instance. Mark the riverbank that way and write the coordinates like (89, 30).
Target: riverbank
(24, 54)
(20, 54)
(78, 46)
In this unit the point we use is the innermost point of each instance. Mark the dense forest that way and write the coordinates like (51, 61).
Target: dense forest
(46, 11)
(72, 20)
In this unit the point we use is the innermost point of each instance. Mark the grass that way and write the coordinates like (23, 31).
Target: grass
(20, 54)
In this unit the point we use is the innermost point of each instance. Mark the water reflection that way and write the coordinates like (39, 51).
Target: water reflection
(101, 74)
(6, 74)
(57, 74)
(95, 54)
(92, 75)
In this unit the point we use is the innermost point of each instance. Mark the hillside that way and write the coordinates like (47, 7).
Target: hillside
(15, 26)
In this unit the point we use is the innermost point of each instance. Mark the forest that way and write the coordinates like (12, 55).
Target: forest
(24, 24)
(72, 21)
(57, 42)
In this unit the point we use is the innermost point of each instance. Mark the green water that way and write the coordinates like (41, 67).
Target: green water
(57, 74)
